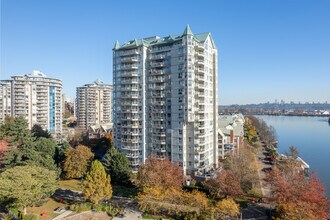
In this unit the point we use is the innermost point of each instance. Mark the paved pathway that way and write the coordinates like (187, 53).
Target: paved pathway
(262, 163)
(63, 215)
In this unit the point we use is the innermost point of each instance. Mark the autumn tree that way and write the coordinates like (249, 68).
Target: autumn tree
(298, 197)
(161, 182)
(77, 161)
(160, 173)
(97, 185)
(27, 185)
(3, 148)
(224, 208)
(117, 165)
(243, 168)
(172, 201)
(225, 184)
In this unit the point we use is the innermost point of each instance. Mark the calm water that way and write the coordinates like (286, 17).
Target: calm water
(311, 136)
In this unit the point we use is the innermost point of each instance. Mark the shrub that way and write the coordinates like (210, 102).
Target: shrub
(112, 210)
(81, 207)
(255, 192)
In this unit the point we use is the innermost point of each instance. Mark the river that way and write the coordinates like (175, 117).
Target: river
(311, 136)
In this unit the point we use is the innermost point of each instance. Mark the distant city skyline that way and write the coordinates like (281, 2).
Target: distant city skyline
(267, 50)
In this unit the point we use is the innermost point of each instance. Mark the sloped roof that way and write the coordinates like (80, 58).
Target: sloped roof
(151, 41)
(187, 30)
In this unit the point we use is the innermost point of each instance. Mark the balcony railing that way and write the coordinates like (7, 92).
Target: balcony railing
(129, 67)
(128, 52)
(129, 59)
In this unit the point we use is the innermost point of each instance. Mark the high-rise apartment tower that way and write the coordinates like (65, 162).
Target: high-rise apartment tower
(93, 104)
(165, 100)
(35, 97)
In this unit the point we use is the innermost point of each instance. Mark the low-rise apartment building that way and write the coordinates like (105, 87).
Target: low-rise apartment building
(230, 134)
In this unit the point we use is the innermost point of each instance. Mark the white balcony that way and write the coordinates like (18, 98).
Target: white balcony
(199, 47)
(157, 64)
(128, 52)
(157, 57)
(129, 74)
(129, 59)
(129, 67)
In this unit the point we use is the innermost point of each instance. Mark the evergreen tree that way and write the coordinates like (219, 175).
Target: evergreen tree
(38, 132)
(117, 165)
(27, 185)
(24, 148)
(41, 153)
(60, 153)
(97, 185)
(17, 131)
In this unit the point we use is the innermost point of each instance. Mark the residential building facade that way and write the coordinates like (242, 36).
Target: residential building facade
(165, 100)
(93, 104)
(230, 134)
(35, 97)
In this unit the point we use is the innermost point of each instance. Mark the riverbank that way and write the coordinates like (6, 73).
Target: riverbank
(310, 135)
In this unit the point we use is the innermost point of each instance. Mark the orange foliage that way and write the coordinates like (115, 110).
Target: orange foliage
(298, 197)
(160, 173)
(225, 184)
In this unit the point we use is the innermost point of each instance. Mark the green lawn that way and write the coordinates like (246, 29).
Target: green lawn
(74, 185)
(47, 208)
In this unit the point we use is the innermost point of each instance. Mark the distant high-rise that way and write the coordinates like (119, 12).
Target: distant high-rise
(36, 97)
(93, 104)
(165, 100)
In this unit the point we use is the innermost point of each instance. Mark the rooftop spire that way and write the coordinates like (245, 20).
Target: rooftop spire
(117, 45)
(187, 30)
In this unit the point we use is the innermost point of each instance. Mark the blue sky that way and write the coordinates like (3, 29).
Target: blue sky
(274, 49)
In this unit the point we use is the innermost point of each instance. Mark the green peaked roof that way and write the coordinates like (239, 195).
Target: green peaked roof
(187, 30)
(117, 45)
(155, 40)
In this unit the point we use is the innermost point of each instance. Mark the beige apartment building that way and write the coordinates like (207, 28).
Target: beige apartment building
(35, 97)
(93, 104)
(165, 100)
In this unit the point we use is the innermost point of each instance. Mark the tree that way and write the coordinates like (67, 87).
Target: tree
(16, 129)
(77, 136)
(40, 152)
(243, 167)
(27, 185)
(298, 197)
(117, 165)
(3, 148)
(38, 132)
(225, 184)
(172, 201)
(160, 173)
(60, 153)
(97, 185)
(226, 207)
(293, 152)
(77, 161)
